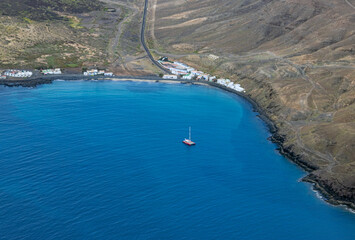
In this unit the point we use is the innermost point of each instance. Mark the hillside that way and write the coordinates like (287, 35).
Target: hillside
(46, 9)
(295, 58)
(72, 34)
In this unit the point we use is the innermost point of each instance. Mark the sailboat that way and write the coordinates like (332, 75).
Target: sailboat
(188, 141)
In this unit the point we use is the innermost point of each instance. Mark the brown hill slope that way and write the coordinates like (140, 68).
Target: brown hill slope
(72, 34)
(36, 33)
(296, 58)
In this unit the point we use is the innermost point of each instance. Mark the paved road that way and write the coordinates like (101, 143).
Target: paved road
(143, 39)
(350, 4)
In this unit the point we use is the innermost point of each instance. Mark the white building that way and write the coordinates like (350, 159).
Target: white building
(170, 77)
(212, 78)
(52, 71)
(188, 76)
(197, 73)
(205, 76)
(184, 66)
(92, 72)
(18, 73)
(178, 71)
(228, 83)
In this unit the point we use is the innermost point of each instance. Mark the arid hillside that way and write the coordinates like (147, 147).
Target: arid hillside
(296, 58)
(51, 33)
(314, 29)
(72, 34)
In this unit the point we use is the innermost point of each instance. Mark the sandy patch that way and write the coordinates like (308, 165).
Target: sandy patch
(212, 57)
(183, 47)
(187, 23)
(182, 15)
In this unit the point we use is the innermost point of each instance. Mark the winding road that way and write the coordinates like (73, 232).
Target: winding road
(146, 49)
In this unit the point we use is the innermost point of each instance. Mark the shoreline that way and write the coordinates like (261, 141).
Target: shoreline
(35, 81)
(275, 137)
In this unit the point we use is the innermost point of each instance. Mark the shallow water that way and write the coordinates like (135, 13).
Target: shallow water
(104, 160)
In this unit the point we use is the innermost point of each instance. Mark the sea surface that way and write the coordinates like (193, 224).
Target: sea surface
(105, 160)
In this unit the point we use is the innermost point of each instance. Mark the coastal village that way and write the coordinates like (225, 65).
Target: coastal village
(183, 71)
(96, 72)
(26, 74)
(178, 70)
(16, 74)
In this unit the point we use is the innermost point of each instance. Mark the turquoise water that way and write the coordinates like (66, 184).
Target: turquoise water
(104, 160)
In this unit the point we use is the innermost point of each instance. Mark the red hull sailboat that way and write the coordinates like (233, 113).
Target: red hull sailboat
(188, 141)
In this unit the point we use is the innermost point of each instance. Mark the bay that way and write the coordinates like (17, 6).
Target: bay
(105, 160)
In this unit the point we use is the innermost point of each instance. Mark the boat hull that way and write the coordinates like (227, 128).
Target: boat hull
(189, 142)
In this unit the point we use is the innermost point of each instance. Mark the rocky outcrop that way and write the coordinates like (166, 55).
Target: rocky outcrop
(334, 191)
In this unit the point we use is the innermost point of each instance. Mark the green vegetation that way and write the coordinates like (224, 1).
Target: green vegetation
(67, 34)
(29, 21)
(60, 34)
(74, 22)
(73, 65)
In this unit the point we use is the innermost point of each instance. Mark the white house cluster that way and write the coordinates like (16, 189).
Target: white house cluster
(186, 72)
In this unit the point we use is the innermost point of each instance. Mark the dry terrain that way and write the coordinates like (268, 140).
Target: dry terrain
(72, 35)
(296, 58)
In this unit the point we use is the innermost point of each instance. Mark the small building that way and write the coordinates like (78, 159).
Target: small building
(178, 72)
(205, 77)
(91, 72)
(18, 73)
(108, 74)
(228, 83)
(170, 77)
(199, 78)
(197, 73)
(51, 71)
(111, 10)
(184, 66)
(2, 76)
(212, 79)
(164, 59)
(188, 76)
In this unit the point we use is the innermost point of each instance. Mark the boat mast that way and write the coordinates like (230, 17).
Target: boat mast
(190, 133)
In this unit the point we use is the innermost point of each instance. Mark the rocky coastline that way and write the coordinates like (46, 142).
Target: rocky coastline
(330, 189)
(25, 83)
(35, 81)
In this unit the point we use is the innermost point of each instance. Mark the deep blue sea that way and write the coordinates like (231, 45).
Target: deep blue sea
(104, 160)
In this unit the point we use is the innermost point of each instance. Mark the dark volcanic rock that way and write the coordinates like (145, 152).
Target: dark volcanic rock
(334, 190)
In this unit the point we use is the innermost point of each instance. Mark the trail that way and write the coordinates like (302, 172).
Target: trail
(119, 31)
(144, 21)
(350, 4)
(305, 107)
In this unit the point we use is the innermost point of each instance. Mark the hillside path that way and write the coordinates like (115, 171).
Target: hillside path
(146, 49)
(350, 4)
